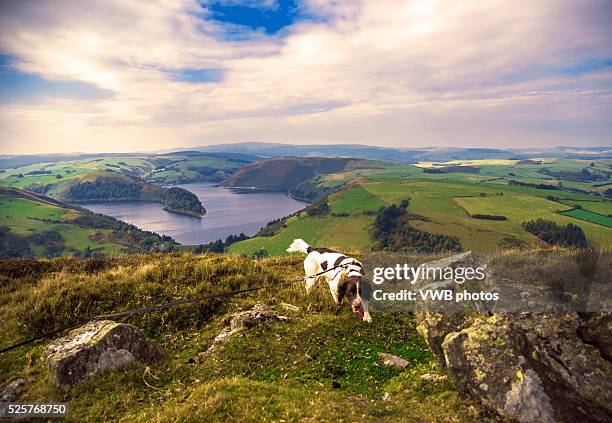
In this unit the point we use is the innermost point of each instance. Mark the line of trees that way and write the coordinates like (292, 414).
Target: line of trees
(488, 216)
(513, 182)
(219, 245)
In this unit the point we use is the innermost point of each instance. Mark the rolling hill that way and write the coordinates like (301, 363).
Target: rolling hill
(33, 225)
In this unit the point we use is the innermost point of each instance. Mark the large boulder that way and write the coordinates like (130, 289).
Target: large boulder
(526, 366)
(95, 347)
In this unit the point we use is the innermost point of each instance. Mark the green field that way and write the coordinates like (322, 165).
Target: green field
(346, 234)
(601, 207)
(440, 203)
(354, 201)
(589, 217)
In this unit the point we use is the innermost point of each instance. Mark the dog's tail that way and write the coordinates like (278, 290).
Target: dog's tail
(299, 246)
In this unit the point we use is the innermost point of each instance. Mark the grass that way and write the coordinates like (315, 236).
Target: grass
(346, 234)
(144, 167)
(601, 207)
(520, 208)
(320, 366)
(589, 217)
(354, 201)
(22, 208)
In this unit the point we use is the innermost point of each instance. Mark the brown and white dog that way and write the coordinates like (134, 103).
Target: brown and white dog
(347, 281)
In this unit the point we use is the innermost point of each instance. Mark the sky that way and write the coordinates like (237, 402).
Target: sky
(132, 75)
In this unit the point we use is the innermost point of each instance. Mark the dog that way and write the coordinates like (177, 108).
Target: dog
(346, 281)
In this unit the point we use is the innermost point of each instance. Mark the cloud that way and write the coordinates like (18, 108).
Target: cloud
(423, 72)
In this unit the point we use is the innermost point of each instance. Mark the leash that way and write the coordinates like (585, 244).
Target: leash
(160, 307)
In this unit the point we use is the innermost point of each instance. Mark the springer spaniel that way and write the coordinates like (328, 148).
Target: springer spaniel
(347, 281)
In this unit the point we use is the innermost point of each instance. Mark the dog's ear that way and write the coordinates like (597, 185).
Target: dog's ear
(342, 285)
(365, 288)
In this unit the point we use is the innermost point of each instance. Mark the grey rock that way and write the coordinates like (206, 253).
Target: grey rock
(11, 391)
(237, 322)
(393, 360)
(95, 347)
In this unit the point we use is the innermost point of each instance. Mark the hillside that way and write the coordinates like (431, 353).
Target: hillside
(33, 225)
(449, 202)
(322, 365)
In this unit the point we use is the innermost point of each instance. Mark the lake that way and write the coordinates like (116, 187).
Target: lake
(227, 212)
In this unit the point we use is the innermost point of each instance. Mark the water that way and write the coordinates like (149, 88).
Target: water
(227, 212)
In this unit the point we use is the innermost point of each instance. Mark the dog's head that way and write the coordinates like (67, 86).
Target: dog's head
(352, 287)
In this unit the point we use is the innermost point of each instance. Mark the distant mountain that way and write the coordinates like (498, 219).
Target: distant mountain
(356, 151)
(404, 155)
(198, 163)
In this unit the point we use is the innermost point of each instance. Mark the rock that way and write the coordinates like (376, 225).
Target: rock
(528, 367)
(596, 329)
(11, 391)
(433, 377)
(435, 326)
(95, 347)
(260, 313)
(531, 368)
(393, 360)
(433, 322)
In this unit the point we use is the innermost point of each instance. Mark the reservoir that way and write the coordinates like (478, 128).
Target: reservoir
(227, 212)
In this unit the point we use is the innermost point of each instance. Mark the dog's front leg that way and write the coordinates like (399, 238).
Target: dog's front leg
(311, 268)
(366, 314)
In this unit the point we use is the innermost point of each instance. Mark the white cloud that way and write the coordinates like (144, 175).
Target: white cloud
(403, 73)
